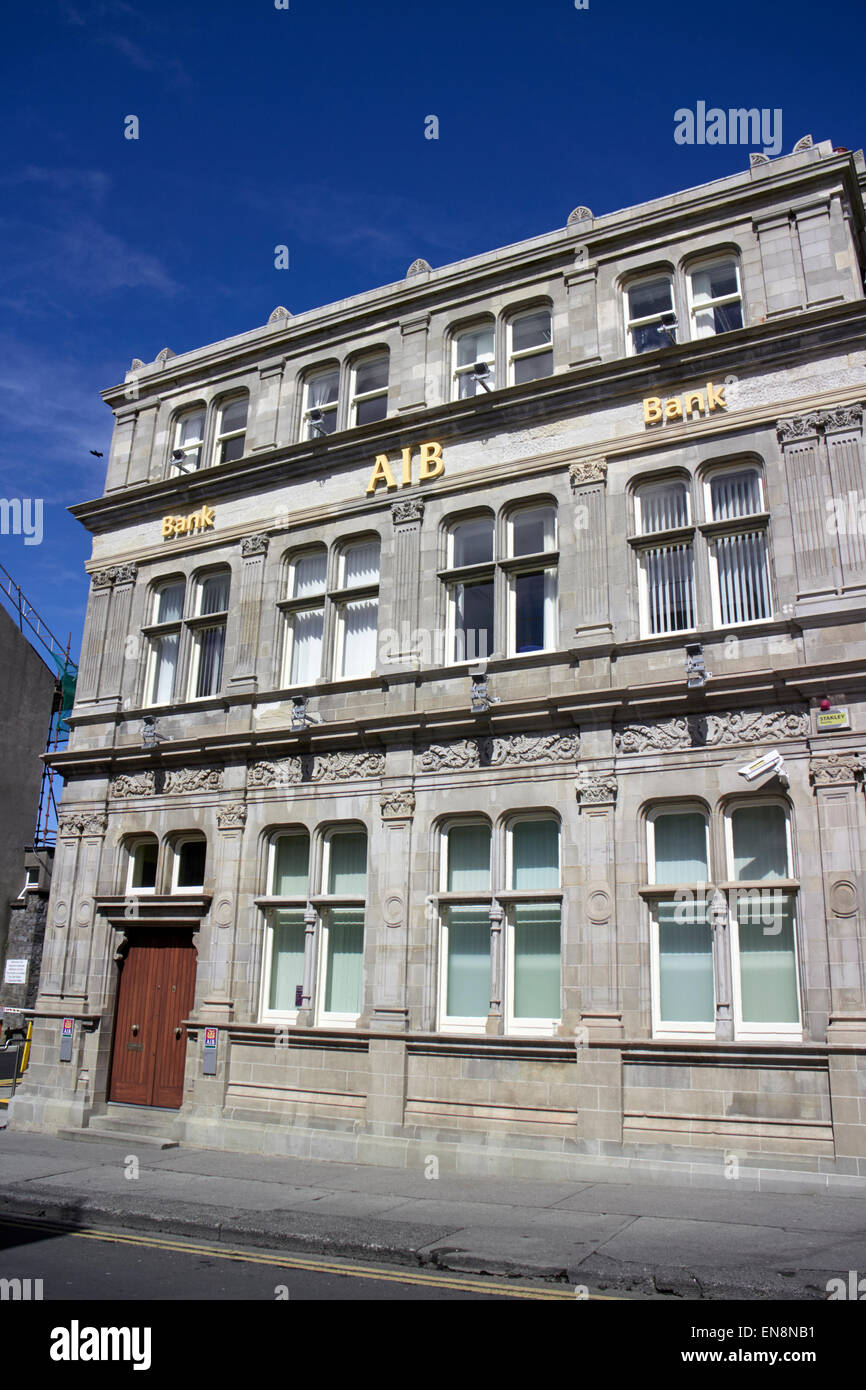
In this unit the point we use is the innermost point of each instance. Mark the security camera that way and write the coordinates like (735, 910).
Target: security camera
(481, 373)
(697, 674)
(767, 762)
(316, 419)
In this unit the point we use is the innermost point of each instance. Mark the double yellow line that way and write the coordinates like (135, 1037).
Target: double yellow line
(399, 1275)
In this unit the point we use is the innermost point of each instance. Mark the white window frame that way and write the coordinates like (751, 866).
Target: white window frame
(521, 565)
(535, 1027)
(221, 437)
(631, 324)
(326, 901)
(672, 1028)
(175, 863)
(343, 597)
(132, 846)
(707, 263)
(736, 526)
(457, 372)
(295, 903)
(192, 446)
(791, 1031)
(445, 1022)
(27, 881)
(304, 603)
(519, 354)
(206, 621)
(357, 398)
(310, 377)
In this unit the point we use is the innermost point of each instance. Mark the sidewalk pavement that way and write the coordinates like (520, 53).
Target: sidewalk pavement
(715, 1244)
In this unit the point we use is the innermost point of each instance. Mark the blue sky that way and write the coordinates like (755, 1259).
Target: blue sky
(305, 127)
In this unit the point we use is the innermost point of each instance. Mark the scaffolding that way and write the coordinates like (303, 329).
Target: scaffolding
(44, 642)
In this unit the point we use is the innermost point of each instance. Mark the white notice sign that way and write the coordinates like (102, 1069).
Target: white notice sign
(16, 972)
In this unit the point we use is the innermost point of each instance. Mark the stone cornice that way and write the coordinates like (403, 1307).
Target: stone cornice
(582, 391)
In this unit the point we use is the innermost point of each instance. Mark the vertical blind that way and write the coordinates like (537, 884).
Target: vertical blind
(467, 986)
(760, 841)
(291, 866)
(468, 859)
(680, 848)
(169, 603)
(287, 959)
(214, 596)
(165, 667)
(669, 571)
(537, 957)
(344, 960)
(211, 644)
(308, 574)
(535, 854)
(361, 564)
(347, 866)
(662, 508)
(736, 494)
(306, 636)
(360, 627)
(744, 589)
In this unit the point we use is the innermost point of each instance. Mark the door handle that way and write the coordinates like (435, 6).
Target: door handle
(135, 1028)
(178, 1032)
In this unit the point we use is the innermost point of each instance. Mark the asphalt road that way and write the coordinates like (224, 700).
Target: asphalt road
(134, 1266)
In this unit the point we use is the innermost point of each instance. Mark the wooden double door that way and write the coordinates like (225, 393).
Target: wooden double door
(155, 993)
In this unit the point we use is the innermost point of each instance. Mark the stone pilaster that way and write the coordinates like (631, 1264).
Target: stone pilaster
(254, 551)
(835, 778)
(413, 363)
(600, 1008)
(406, 643)
(589, 483)
(390, 937)
(581, 285)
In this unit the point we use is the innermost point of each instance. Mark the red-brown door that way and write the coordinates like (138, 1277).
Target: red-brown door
(157, 986)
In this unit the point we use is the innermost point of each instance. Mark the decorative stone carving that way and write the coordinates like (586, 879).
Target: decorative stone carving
(162, 357)
(397, 805)
(596, 790)
(82, 823)
(318, 767)
(509, 750)
(404, 512)
(132, 784)
(588, 470)
(840, 417)
(232, 816)
(712, 730)
(278, 314)
(756, 158)
(418, 267)
(579, 214)
(115, 574)
(804, 143)
(136, 364)
(162, 782)
(835, 769)
(255, 545)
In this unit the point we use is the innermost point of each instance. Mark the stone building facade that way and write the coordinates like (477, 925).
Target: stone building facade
(471, 716)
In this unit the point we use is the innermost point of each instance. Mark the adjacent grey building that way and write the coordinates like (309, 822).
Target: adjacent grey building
(467, 756)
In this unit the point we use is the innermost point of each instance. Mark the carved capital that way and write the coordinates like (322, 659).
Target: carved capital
(126, 574)
(835, 770)
(589, 470)
(397, 805)
(232, 816)
(255, 545)
(596, 789)
(102, 579)
(114, 574)
(819, 422)
(402, 513)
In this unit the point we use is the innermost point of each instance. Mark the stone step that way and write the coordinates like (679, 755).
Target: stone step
(126, 1136)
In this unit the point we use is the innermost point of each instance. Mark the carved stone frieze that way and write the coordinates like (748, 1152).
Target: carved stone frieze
(579, 214)
(508, 750)
(82, 823)
(165, 782)
(397, 805)
(835, 769)
(233, 816)
(316, 767)
(712, 730)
